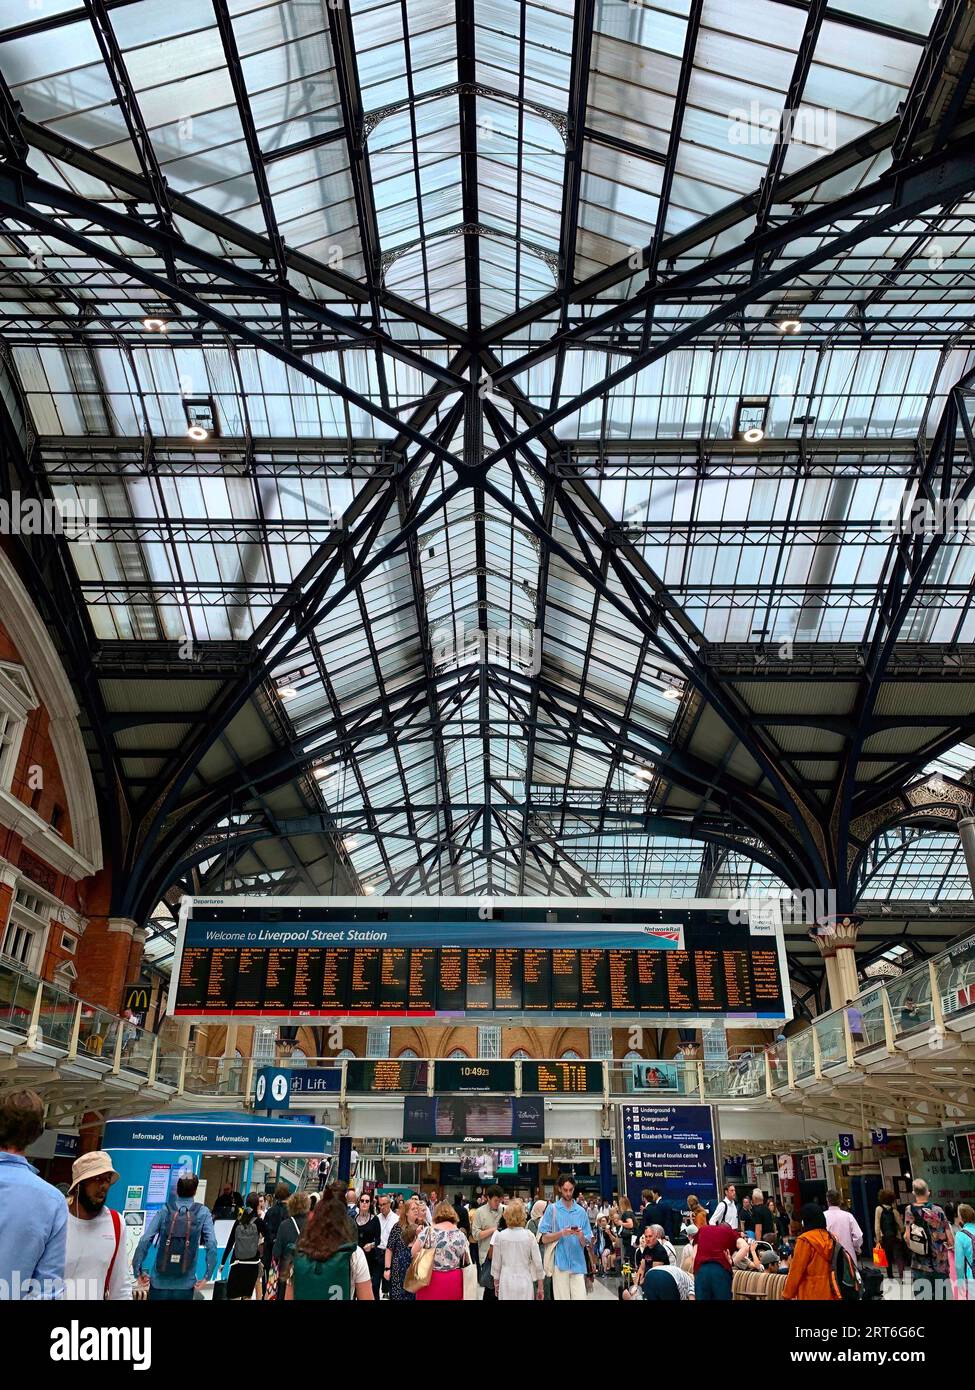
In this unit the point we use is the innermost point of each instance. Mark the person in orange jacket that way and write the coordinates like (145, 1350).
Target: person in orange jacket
(810, 1275)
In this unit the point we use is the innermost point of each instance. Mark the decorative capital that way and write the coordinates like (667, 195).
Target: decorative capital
(836, 934)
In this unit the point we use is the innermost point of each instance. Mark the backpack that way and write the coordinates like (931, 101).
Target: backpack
(844, 1275)
(888, 1222)
(324, 1281)
(967, 1270)
(916, 1236)
(247, 1241)
(176, 1252)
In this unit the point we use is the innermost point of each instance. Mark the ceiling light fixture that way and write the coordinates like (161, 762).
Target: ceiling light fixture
(751, 418)
(323, 773)
(672, 693)
(154, 325)
(197, 433)
(350, 844)
(368, 888)
(286, 692)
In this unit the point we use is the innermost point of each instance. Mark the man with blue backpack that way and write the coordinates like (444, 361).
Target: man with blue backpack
(177, 1230)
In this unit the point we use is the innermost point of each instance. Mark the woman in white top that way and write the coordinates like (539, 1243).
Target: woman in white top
(515, 1259)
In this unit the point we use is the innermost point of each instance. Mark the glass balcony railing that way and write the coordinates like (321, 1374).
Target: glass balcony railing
(906, 1006)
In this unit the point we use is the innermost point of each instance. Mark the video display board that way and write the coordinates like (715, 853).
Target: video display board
(473, 1119)
(544, 960)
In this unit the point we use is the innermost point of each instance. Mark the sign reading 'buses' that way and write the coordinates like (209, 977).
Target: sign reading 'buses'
(545, 960)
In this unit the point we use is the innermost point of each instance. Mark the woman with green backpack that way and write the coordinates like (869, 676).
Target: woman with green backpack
(328, 1265)
(244, 1246)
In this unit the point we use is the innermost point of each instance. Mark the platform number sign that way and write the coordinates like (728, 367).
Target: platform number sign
(878, 1138)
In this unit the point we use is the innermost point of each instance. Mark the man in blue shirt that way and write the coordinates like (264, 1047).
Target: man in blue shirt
(33, 1232)
(566, 1225)
(174, 1268)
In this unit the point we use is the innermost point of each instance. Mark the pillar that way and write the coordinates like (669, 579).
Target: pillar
(836, 941)
(966, 833)
(230, 1041)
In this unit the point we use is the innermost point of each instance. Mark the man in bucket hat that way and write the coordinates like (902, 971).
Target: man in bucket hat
(96, 1267)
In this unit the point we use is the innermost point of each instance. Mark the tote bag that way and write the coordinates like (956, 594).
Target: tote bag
(420, 1271)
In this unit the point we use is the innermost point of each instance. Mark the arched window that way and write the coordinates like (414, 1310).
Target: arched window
(263, 1046)
(344, 1053)
(633, 1057)
(571, 1056)
(408, 1052)
(520, 1055)
(299, 1058)
(457, 1054)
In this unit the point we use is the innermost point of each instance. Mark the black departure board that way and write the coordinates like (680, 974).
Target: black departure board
(719, 968)
(386, 1074)
(251, 972)
(562, 1078)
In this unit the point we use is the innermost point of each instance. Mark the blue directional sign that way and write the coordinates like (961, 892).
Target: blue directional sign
(878, 1137)
(671, 1148)
(846, 1144)
(276, 1087)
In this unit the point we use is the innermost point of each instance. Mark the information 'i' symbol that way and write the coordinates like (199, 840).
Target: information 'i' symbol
(279, 1087)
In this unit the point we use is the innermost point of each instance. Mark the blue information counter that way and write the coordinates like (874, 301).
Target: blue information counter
(150, 1153)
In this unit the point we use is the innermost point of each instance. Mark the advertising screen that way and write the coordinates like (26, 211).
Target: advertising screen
(473, 1119)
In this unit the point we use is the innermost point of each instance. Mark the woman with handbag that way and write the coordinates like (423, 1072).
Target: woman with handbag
(412, 1218)
(888, 1229)
(440, 1253)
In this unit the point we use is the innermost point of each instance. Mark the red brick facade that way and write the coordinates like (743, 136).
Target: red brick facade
(53, 914)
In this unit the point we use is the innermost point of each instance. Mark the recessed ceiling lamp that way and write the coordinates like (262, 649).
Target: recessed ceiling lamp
(201, 418)
(751, 418)
(787, 318)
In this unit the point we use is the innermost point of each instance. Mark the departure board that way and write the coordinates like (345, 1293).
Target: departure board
(387, 1074)
(673, 965)
(562, 1078)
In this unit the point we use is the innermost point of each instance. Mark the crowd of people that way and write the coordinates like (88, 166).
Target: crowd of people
(344, 1243)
